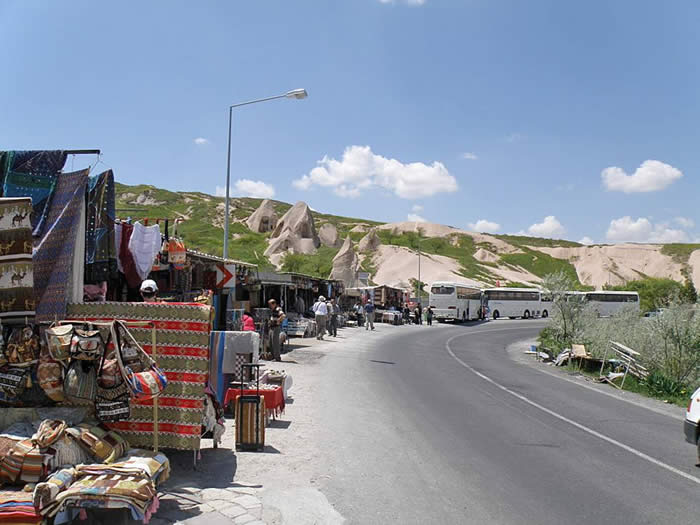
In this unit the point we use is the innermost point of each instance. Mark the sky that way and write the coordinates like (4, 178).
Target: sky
(576, 120)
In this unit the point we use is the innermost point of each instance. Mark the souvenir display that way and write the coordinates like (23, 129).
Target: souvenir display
(59, 340)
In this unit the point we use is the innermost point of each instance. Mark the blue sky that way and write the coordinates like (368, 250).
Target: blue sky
(535, 116)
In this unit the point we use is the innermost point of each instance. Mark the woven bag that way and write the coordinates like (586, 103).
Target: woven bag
(59, 340)
(145, 380)
(80, 383)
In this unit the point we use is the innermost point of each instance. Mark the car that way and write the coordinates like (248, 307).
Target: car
(691, 425)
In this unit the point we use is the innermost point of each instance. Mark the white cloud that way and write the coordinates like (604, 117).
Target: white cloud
(249, 188)
(360, 169)
(469, 156)
(652, 175)
(626, 229)
(200, 141)
(407, 2)
(684, 222)
(484, 226)
(549, 227)
(412, 217)
(417, 208)
(586, 240)
(514, 137)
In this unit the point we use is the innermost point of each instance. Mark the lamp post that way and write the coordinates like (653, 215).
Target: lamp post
(293, 94)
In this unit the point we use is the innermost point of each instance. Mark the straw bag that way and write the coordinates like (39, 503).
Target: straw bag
(143, 379)
(59, 340)
(80, 383)
(87, 345)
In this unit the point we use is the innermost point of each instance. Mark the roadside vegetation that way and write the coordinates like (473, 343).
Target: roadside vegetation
(669, 343)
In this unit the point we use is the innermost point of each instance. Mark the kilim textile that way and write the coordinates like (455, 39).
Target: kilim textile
(16, 270)
(101, 250)
(33, 174)
(53, 255)
(17, 508)
(182, 353)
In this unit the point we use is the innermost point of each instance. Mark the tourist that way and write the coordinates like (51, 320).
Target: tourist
(419, 314)
(320, 314)
(247, 322)
(359, 313)
(276, 318)
(369, 314)
(429, 315)
(333, 311)
(149, 291)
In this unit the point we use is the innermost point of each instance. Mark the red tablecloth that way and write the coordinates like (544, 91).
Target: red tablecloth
(274, 399)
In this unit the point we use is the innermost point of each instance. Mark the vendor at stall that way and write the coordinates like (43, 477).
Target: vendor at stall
(149, 291)
(276, 318)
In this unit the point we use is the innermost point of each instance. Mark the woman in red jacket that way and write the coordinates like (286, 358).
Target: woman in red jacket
(248, 322)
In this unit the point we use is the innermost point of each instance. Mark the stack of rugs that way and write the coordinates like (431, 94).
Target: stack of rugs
(182, 331)
(61, 470)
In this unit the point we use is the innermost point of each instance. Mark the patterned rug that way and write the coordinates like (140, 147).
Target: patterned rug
(53, 254)
(182, 352)
(100, 249)
(16, 270)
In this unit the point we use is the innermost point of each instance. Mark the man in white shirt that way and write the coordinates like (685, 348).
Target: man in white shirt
(320, 310)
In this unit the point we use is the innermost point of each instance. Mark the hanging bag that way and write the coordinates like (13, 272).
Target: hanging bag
(50, 375)
(87, 345)
(23, 347)
(144, 379)
(112, 396)
(59, 340)
(80, 383)
(13, 381)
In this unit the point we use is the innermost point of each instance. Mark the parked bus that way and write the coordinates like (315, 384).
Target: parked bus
(456, 302)
(513, 302)
(606, 303)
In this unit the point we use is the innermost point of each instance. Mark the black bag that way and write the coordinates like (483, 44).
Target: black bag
(111, 403)
(13, 381)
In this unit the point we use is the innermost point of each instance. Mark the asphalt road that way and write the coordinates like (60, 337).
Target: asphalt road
(439, 425)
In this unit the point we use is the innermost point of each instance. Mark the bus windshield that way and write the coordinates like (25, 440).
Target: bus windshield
(442, 290)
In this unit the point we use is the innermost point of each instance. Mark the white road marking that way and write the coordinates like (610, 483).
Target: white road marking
(564, 418)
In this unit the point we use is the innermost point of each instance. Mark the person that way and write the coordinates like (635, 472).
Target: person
(333, 311)
(359, 313)
(248, 322)
(406, 314)
(320, 314)
(276, 318)
(429, 315)
(149, 291)
(369, 314)
(419, 314)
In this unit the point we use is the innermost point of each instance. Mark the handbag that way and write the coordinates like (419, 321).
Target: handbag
(87, 345)
(50, 375)
(112, 397)
(22, 347)
(145, 380)
(80, 383)
(59, 340)
(13, 380)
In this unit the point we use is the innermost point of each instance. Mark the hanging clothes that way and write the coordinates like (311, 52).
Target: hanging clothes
(100, 243)
(54, 253)
(126, 260)
(144, 245)
(33, 174)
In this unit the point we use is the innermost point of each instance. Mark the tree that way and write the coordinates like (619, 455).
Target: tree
(654, 293)
(688, 294)
(567, 308)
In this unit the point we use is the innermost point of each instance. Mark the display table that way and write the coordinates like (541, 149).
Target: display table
(274, 398)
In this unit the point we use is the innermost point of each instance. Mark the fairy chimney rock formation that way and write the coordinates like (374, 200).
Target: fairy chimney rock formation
(346, 264)
(370, 242)
(264, 219)
(329, 235)
(295, 232)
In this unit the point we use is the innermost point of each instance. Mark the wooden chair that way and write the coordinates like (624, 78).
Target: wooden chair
(580, 352)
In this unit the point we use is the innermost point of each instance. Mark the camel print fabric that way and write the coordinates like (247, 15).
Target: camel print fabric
(16, 275)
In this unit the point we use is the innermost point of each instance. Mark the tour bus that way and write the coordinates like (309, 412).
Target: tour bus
(514, 302)
(455, 302)
(606, 303)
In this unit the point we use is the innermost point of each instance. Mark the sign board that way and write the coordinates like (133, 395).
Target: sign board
(225, 275)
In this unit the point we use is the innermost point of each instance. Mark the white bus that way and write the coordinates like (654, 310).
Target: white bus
(455, 302)
(606, 303)
(513, 302)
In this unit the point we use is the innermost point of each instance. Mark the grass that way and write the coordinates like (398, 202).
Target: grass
(318, 264)
(523, 240)
(542, 264)
(680, 253)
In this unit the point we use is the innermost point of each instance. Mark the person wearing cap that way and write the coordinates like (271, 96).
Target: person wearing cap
(320, 310)
(149, 291)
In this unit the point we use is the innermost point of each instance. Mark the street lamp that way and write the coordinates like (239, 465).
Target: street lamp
(297, 94)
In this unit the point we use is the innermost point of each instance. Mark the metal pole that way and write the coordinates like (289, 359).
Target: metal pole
(228, 183)
(420, 287)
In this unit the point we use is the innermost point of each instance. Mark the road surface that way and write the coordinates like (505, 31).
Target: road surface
(439, 425)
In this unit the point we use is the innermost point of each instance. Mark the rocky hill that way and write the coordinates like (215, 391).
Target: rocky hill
(296, 238)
